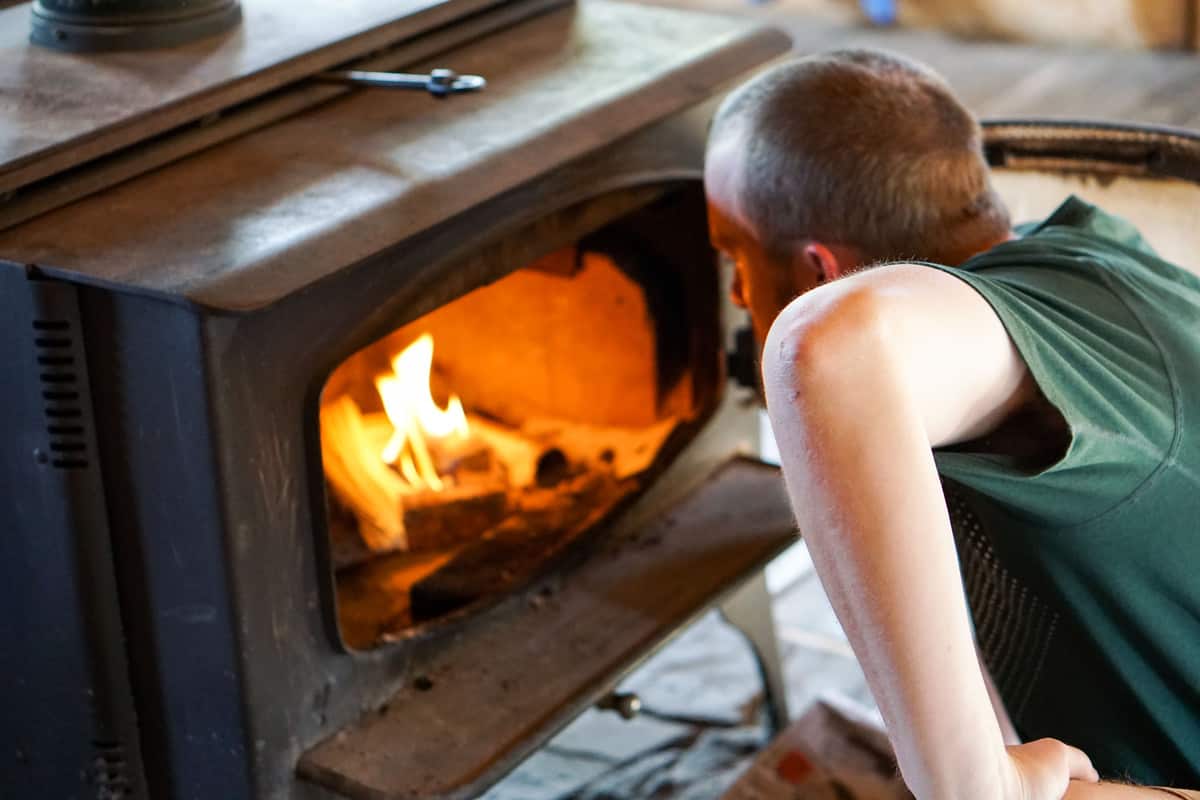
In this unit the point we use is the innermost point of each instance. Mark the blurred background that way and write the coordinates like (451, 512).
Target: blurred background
(1133, 60)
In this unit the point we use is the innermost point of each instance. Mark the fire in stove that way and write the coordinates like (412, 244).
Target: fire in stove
(382, 463)
(465, 451)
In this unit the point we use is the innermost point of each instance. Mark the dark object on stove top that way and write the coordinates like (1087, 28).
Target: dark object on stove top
(94, 26)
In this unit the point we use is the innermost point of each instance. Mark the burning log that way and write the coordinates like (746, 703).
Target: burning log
(391, 515)
(367, 487)
(626, 451)
(547, 520)
(483, 476)
(518, 453)
(373, 597)
(453, 516)
(432, 522)
(496, 501)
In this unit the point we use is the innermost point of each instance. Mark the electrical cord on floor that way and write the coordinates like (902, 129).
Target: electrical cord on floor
(685, 719)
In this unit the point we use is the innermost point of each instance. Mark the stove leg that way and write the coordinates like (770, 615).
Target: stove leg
(749, 610)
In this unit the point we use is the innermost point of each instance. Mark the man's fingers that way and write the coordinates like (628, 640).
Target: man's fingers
(1046, 767)
(1080, 766)
(1054, 755)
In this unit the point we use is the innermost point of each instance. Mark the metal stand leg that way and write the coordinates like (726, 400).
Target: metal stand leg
(749, 610)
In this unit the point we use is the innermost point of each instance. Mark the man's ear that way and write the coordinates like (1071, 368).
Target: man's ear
(821, 263)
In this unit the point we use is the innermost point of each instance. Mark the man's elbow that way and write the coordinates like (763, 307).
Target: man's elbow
(823, 339)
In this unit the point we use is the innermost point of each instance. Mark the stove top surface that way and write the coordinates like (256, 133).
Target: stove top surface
(61, 109)
(248, 222)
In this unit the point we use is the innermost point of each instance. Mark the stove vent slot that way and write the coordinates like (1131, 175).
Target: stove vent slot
(110, 773)
(59, 375)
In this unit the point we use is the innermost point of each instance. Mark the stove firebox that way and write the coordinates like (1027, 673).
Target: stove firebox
(560, 388)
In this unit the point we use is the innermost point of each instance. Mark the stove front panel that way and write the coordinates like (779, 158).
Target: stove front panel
(69, 724)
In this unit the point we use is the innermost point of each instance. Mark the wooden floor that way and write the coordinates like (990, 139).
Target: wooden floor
(1004, 80)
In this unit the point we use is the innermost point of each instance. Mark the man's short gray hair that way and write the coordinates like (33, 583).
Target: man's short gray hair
(863, 148)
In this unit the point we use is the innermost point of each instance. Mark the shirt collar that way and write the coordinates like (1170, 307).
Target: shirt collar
(1080, 215)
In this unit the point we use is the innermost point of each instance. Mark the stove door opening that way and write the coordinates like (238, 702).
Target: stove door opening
(469, 450)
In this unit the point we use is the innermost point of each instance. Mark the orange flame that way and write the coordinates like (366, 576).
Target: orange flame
(415, 416)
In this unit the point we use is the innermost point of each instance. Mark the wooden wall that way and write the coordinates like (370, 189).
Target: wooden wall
(1162, 24)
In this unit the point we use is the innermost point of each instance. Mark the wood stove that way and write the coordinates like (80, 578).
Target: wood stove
(213, 263)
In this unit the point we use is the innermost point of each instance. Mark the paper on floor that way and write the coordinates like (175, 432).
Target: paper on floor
(833, 752)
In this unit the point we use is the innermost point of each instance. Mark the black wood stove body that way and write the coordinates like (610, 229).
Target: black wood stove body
(192, 240)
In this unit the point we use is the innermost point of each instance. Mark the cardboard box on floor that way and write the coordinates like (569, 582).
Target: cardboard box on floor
(835, 751)
(1163, 24)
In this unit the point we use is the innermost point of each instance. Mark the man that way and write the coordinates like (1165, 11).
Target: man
(1054, 375)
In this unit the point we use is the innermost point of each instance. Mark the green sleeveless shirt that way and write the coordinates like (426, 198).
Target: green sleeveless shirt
(1090, 568)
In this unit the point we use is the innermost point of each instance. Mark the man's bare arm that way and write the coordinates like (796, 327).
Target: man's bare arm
(863, 377)
(1122, 791)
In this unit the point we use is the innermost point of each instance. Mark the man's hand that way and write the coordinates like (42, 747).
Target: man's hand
(1043, 770)
(1082, 790)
